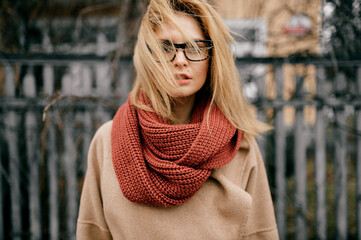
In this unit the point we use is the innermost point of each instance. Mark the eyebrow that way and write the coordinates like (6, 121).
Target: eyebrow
(168, 40)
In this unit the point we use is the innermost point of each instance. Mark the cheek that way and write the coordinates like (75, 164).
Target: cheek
(202, 70)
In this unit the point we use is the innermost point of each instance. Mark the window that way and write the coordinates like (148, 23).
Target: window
(250, 36)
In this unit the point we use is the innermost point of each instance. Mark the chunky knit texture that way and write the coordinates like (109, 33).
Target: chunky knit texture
(160, 164)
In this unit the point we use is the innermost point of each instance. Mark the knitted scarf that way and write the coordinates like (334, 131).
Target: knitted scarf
(160, 164)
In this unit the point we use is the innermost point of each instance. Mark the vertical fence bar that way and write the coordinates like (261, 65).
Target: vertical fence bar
(33, 158)
(124, 72)
(341, 163)
(2, 169)
(52, 158)
(69, 160)
(103, 88)
(48, 78)
(2, 172)
(103, 78)
(300, 171)
(358, 155)
(320, 160)
(53, 175)
(86, 117)
(280, 140)
(261, 85)
(11, 124)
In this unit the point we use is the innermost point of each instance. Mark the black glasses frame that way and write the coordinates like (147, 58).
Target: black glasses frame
(183, 46)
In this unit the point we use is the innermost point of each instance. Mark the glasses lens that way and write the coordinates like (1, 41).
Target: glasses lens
(168, 51)
(197, 51)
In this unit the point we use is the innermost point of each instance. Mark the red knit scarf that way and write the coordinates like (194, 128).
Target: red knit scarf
(160, 164)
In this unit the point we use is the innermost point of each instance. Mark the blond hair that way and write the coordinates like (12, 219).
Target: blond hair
(224, 83)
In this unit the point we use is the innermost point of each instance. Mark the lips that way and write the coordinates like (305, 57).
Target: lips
(182, 76)
(182, 79)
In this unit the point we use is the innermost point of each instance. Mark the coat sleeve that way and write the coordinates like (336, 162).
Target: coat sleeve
(91, 221)
(261, 223)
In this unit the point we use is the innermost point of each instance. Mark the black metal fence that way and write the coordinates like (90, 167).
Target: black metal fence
(51, 105)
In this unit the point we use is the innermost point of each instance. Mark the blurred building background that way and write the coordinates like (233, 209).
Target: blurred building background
(66, 66)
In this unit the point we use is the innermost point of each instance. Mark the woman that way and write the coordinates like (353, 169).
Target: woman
(179, 160)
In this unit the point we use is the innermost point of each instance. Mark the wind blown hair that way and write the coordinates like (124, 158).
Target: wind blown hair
(223, 82)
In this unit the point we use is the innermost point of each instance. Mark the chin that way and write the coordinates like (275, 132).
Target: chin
(183, 95)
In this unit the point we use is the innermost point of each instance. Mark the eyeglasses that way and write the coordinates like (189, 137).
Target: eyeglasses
(197, 51)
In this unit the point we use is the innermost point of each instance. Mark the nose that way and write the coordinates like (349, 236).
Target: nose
(180, 58)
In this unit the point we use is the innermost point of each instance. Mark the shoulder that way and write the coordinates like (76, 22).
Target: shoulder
(101, 139)
(248, 152)
(104, 129)
(103, 132)
(248, 143)
(247, 160)
(249, 146)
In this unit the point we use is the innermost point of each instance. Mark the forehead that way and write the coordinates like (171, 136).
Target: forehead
(189, 26)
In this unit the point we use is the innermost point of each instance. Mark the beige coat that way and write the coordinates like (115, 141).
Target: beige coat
(234, 203)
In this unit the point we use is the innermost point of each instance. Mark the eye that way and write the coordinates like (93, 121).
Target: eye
(194, 47)
(167, 47)
(204, 44)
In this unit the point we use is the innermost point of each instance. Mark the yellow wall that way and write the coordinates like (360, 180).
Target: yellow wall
(277, 14)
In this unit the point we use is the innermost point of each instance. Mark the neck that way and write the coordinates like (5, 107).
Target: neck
(182, 109)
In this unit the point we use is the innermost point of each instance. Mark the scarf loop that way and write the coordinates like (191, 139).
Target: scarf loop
(160, 164)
